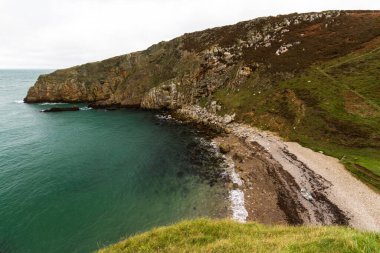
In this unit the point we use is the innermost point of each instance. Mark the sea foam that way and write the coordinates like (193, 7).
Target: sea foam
(236, 196)
(164, 116)
(85, 108)
(239, 213)
(47, 103)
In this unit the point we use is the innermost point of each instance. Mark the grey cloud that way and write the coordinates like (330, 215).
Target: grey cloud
(56, 34)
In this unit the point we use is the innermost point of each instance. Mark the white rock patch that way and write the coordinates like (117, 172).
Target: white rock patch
(239, 213)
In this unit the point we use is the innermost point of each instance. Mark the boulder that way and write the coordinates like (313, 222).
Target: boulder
(224, 148)
(227, 119)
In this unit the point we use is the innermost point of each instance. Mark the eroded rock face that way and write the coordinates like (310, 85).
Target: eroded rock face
(192, 67)
(103, 82)
(163, 96)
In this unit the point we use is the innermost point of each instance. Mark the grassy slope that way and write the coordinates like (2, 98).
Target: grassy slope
(334, 107)
(227, 236)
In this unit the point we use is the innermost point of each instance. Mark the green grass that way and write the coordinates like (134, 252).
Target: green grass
(358, 146)
(204, 235)
(333, 107)
(363, 163)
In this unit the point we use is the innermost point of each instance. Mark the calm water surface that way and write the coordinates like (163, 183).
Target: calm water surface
(76, 181)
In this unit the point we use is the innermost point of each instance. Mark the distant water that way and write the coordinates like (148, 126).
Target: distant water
(76, 181)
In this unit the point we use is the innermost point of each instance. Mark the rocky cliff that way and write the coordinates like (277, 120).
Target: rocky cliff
(190, 68)
(312, 78)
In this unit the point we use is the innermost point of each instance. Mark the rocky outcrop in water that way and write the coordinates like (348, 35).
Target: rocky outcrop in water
(186, 70)
(62, 109)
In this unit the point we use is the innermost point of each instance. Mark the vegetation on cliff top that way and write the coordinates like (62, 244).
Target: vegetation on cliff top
(333, 106)
(312, 77)
(227, 236)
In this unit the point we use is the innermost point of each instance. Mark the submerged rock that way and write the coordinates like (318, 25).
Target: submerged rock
(61, 109)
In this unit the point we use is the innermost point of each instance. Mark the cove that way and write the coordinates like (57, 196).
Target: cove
(77, 181)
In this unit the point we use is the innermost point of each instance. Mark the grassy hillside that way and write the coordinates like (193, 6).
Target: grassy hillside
(333, 106)
(312, 77)
(228, 236)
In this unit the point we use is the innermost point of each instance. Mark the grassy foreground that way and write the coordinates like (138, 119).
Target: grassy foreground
(205, 235)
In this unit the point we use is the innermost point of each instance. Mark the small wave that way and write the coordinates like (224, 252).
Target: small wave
(164, 117)
(19, 101)
(239, 213)
(85, 108)
(168, 117)
(236, 196)
(53, 103)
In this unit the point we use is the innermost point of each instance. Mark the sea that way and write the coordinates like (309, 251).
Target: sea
(79, 181)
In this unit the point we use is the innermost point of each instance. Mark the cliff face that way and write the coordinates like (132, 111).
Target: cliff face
(312, 78)
(189, 69)
(121, 80)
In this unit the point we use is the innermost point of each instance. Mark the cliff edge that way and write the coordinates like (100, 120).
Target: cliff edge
(193, 66)
(312, 77)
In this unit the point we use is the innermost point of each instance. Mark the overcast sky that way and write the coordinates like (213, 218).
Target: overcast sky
(61, 33)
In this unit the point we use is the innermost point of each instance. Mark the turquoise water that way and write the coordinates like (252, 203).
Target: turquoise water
(76, 181)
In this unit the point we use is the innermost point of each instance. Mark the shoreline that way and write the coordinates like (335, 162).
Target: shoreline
(279, 182)
(235, 197)
(285, 183)
(235, 194)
